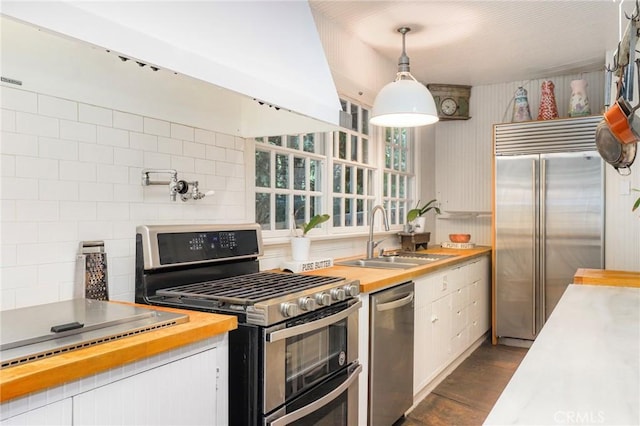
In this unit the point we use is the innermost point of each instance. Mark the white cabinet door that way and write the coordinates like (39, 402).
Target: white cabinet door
(57, 413)
(423, 357)
(180, 392)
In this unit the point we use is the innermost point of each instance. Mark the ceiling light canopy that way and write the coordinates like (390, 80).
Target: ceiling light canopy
(404, 102)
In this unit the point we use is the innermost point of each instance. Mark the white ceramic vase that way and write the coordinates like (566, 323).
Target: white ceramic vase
(300, 247)
(420, 224)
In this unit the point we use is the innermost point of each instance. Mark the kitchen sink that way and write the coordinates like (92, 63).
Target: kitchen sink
(402, 260)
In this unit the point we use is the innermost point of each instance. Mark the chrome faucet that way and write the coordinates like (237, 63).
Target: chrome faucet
(372, 244)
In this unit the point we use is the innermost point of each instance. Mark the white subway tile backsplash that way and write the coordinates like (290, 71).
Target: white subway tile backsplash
(40, 253)
(109, 173)
(112, 137)
(36, 210)
(19, 277)
(55, 272)
(229, 169)
(156, 127)
(32, 124)
(57, 107)
(155, 160)
(89, 191)
(57, 190)
(75, 131)
(58, 149)
(128, 193)
(7, 208)
(112, 211)
(169, 146)
(225, 141)
(7, 165)
(42, 168)
(234, 156)
(36, 296)
(94, 231)
(240, 143)
(18, 100)
(91, 153)
(143, 141)
(205, 166)
(128, 157)
(95, 115)
(15, 188)
(206, 137)
(124, 120)
(182, 164)
(195, 150)
(72, 172)
(119, 248)
(8, 120)
(78, 171)
(215, 153)
(52, 232)
(19, 144)
(77, 210)
(179, 131)
(19, 232)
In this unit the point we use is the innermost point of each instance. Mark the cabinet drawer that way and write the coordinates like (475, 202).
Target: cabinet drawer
(460, 298)
(459, 342)
(459, 319)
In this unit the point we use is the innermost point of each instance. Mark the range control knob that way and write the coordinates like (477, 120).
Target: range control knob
(338, 294)
(352, 290)
(323, 299)
(307, 304)
(288, 309)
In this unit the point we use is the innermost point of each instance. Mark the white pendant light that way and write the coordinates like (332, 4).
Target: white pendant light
(404, 102)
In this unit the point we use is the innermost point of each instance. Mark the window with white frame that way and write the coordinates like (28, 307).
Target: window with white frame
(398, 178)
(343, 173)
(289, 178)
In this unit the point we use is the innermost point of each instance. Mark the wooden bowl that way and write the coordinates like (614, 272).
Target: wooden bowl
(459, 238)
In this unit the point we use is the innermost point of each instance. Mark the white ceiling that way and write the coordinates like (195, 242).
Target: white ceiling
(483, 42)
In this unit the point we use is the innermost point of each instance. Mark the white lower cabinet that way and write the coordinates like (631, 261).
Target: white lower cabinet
(181, 392)
(186, 385)
(452, 311)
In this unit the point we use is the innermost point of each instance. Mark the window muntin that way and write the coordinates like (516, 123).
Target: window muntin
(342, 173)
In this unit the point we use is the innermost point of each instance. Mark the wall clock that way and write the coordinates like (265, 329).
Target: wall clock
(452, 100)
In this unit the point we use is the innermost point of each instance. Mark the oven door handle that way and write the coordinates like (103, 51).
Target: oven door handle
(319, 403)
(311, 326)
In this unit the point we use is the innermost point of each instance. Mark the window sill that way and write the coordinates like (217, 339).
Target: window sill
(281, 240)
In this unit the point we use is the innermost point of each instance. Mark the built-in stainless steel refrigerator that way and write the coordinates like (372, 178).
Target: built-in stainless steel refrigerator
(548, 218)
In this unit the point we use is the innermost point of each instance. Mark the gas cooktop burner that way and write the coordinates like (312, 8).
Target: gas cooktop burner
(249, 288)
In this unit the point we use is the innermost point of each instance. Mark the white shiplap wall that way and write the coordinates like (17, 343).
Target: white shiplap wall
(464, 156)
(464, 149)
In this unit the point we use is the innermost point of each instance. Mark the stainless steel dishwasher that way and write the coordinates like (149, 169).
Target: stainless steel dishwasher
(391, 354)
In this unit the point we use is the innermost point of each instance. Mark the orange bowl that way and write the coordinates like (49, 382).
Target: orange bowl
(459, 238)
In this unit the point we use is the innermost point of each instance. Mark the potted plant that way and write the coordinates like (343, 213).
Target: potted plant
(416, 218)
(300, 244)
(637, 203)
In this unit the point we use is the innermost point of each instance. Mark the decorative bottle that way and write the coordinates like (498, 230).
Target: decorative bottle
(521, 110)
(548, 109)
(579, 103)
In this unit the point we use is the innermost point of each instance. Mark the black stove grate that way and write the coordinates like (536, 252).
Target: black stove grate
(250, 288)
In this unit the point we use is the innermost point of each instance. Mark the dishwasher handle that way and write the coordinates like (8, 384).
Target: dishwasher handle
(394, 304)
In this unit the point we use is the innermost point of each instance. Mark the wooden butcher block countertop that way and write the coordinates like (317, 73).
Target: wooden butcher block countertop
(38, 375)
(373, 279)
(607, 277)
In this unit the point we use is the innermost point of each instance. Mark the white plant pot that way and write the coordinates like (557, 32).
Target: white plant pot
(300, 248)
(420, 224)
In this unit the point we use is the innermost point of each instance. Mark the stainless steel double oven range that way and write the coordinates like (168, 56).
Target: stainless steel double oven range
(294, 357)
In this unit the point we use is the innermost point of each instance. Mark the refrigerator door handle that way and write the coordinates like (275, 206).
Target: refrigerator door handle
(543, 240)
(534, 207)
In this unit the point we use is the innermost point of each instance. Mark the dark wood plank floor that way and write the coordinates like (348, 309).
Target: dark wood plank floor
(467, 395)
